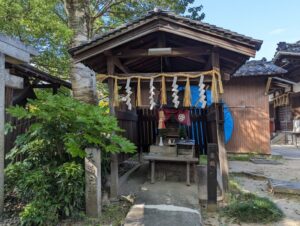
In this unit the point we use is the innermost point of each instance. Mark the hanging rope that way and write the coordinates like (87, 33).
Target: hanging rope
(127, 98)
(175, 93)
(152, 93)
(163, 91)
(216, 83)
(187, 94)
(116, 94)
(139, 98)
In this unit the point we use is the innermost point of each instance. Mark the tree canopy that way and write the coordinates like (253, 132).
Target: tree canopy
(44, 23)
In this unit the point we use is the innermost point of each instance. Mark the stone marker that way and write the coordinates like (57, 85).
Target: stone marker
(93, 182)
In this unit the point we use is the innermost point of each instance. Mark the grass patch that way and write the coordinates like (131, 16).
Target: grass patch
(249, 208)
(113, 215)
(247, 157)
(240, 157)
(203, 160)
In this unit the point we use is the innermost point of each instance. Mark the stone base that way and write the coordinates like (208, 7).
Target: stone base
(172, 172)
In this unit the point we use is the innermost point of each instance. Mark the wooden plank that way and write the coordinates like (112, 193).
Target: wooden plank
(2, 122)
(13, 81)
(170, 159)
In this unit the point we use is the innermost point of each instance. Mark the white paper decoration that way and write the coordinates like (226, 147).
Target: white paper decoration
(152, 93)
(202, 97)
(127, 98)
(175, 92)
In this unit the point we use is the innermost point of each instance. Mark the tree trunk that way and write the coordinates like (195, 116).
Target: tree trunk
(82, 78)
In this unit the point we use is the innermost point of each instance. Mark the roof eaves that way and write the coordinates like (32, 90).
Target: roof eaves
(208, 28)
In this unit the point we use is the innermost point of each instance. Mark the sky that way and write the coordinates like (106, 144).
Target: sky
(269, 20)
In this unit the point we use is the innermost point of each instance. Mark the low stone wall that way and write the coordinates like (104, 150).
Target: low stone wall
(172, 172)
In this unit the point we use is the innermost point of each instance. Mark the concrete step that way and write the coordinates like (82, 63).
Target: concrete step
(164, 215)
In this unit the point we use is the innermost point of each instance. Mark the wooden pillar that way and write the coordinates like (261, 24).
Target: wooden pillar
(114, 174)
(2, 122)
(220, 129)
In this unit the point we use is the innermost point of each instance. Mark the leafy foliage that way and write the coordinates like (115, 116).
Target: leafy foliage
(44, 23)
(50, 178)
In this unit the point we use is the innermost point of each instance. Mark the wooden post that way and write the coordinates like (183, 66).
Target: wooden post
(92, 165)
(212, 152)
(220, 129)
(188, 181)
(2, 137)
(114, 174)
(152, 172)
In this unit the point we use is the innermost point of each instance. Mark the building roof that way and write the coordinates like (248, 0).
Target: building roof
(204, 27)
(285, 50)
(259, 67)
(29, 71)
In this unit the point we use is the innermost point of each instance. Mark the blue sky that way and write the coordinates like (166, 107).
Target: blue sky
(269, 20)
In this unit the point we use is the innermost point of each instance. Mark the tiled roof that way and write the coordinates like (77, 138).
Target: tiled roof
(288, 47)
(214, 30)
(285, 50)
(259, 67)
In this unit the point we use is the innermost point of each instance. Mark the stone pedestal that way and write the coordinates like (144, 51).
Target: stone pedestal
(93, 182)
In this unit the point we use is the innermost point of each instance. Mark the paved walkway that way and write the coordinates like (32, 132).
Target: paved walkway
(287, 151)
(163, 203)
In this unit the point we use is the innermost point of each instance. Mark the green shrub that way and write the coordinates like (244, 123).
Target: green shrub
(50, 178)
(40, 212)
(250, 208)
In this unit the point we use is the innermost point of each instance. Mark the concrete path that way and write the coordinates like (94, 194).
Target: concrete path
(287, 151)
(163, 203)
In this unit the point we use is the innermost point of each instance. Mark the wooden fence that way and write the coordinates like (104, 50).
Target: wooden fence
(20, 127)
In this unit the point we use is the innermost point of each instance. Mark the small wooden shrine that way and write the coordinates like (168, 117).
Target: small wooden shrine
(154, 67)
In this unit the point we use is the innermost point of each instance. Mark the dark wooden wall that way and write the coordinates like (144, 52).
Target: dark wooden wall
(251, 131)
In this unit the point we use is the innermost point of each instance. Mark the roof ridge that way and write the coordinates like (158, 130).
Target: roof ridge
(210, 28)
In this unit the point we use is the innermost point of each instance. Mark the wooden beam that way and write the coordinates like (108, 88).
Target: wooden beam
(268, 86)
(45, 86)
(2, 122)
(114, 174)
(157, 73)
(119, 64)
(196, 59)
(187, 51)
